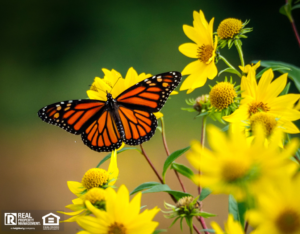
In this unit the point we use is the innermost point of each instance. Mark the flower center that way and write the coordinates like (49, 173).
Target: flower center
(234, 170)
(116, 228)
(268, 121)
(205, 52)
(94, 178)
(222, 95)
(256, 107)
(288, 221)
(95, 195)
(229, 27)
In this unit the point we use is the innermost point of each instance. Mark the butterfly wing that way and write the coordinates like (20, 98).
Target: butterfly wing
(74, 116)
(102, 134)
(139, 126)
(150, 94)
(137, 103)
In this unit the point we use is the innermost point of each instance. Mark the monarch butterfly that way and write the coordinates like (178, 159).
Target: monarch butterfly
(128, 118)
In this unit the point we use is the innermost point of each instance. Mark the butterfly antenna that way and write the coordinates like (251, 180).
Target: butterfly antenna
(115, 83)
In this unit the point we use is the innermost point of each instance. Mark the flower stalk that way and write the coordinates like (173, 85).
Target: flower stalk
(240, 51)
(168, 152)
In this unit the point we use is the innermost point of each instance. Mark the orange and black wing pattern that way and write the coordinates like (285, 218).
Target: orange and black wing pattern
(150, 94)
(74, 116)
(139, 126)
(102, 134)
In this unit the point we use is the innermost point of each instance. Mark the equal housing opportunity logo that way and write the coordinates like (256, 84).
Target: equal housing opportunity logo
(30, 220)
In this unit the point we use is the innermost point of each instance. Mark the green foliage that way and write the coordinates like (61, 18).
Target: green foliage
(293, 71)
(159, 231)
(204, 193)
(237, 209)
(183, 170)
(171, 158)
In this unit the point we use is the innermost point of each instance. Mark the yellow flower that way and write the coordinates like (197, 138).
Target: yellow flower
(278, 208)
(121, 216)
(228, 28)
(96, 177)
(222, 95)
(204, 50)
(249, 67)
(236, 167)
(96, 196)
(264, 97)
(231, 226)
(114, 84)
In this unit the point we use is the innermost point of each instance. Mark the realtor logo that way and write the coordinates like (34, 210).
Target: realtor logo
(51, 219)
(10, 219)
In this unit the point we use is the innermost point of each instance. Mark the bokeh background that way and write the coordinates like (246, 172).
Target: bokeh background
(52, 50)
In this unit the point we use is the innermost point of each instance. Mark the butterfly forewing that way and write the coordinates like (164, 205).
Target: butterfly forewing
(73, 115)
(150, 94)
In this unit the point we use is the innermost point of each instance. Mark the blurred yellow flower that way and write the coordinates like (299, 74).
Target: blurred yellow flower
(278, 208)
(231, 226)
(97, 177)
(237, 167)
(204, 50)
(121, 216)
(264, 97)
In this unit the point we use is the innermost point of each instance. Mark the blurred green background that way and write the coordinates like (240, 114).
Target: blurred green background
(52, 50)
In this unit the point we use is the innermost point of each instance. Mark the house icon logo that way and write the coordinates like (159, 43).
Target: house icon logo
(50, 219)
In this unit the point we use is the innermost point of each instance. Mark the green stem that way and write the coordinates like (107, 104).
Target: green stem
(240, 51)
(203, 129)
(226, 61)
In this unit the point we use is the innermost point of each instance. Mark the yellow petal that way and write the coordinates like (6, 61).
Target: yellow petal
(76, 187)
(113, 169)
(71, 213)
(275, 88)
(189, 50)
(193, 67)
(91, 224)
(158, 115)
(174, 93)
(191, 33)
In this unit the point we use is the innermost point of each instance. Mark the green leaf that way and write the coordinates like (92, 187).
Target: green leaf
(274, 68)
(233, 207)
(225, 129)
(188, 109)
(144, 186)
(296, 6)
(208, 230)
(166, 188)
(171, 158)
(230, 70)
(286, 89)
(237, 210)
(159, 231)
(183, 170)
(120, 151)
(293, 73)
(205, 214)
(204, 193)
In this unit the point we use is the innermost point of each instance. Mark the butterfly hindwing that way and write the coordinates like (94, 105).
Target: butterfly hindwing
(139, 126)
(102, 134)
(73, 115)
(150, 94)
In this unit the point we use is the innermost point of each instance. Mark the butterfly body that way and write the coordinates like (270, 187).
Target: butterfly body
(128, 118)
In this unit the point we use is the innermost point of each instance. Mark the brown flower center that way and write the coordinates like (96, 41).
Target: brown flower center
(288, 221)
(205, 52)
(256, 107)
(116, 228)
(228, 28)
(222, 95)
(267, 121)
(234, 170)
